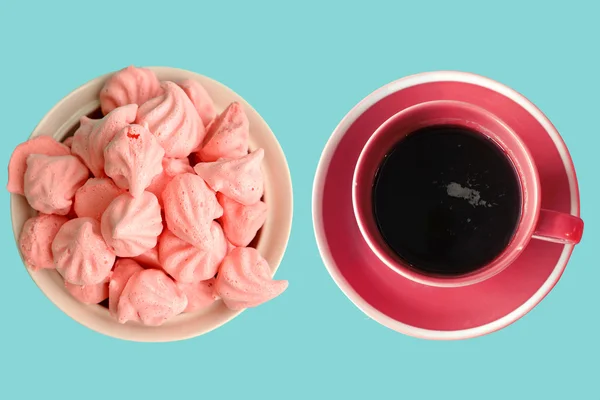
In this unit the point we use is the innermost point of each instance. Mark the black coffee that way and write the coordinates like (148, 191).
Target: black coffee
(447, 200)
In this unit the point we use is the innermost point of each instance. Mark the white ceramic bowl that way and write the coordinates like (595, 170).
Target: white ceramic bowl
(60, 122)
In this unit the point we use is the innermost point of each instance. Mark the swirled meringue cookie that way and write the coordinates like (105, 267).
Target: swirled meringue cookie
(80, 253)
(240, 180)
(131, 225)
(240, 222)
(17, 164)
(89, 294)
(171, 168)
(244, 280)
(80, 145)
(172, 118)
(35, 240)
(130, 85)
(190, 208)
(51, 182)
(150, 297)
(93, 135)
(176, 166)
(199, 294)
(227, 136)
(133, 158)
(125, 268)
(200, 99)
(187, 263)
(92, 199)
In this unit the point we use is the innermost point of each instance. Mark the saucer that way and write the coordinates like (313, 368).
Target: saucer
(413, 308)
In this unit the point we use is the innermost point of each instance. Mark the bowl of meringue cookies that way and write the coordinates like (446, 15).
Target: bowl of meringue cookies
(152, 204)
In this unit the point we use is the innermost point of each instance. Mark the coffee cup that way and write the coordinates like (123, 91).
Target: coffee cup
(446, 194)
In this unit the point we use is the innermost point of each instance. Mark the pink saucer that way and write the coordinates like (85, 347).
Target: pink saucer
(412, 308)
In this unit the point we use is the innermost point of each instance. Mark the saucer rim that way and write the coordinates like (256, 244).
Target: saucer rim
(323, 167)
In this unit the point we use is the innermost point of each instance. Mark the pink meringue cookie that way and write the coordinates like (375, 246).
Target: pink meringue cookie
(92, 199)
(17, 165)
(130, 85)
(200, 98)
(131, 225)
(51, 182)
(93, 135)
(227, 136)
(199, 294)
(172, 118)
(133, 158)
(89, 294)
(80, 254)
(150, 297)
(244, 280)
(68, 141)
(80, 145)
(171, 168)
(187, 263)
(240, 179)
(177, 166)
(190, 207)
(240, 222)
(149, 259)
(35, 240)
(125, 268)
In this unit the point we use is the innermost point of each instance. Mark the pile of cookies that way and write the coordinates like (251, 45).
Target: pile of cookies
(152, 207)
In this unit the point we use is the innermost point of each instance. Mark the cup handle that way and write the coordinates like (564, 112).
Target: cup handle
(557, 227)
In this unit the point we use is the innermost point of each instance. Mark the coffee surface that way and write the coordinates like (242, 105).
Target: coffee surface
(446, 200)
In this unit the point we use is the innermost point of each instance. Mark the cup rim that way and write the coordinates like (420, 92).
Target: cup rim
(325, 160)
(527, 175)
(83, 100)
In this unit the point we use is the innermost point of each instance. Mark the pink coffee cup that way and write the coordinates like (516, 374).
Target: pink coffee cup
(534, 222)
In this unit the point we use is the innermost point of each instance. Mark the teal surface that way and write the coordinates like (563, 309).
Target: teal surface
(303, 65)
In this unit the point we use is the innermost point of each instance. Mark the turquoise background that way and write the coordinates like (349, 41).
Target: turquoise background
(303, 65)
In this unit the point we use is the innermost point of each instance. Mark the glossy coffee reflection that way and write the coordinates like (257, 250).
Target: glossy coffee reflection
(446, 200)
